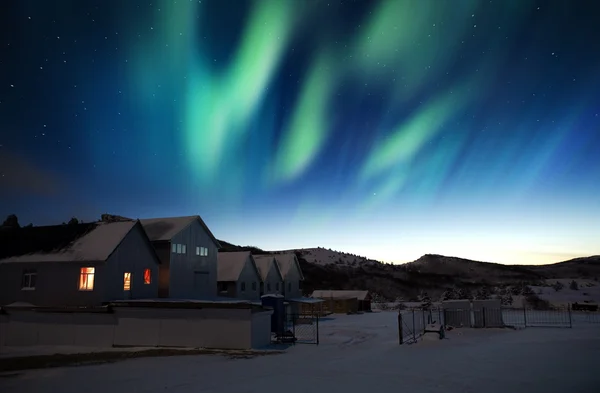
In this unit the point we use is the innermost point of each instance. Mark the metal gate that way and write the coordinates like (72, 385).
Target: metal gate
(304, 328)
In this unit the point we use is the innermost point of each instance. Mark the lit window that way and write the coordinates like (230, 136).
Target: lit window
(173, 247)
(147, 276)
(197, 250)
(183, 249)
(29, 278)
(254, 286)
(179, 249)
(126, 281)
(243, 286)
(86, 279)
(205, 251)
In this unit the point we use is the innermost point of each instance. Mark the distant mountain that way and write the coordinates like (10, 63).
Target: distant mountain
(328, 269)
(587, 267)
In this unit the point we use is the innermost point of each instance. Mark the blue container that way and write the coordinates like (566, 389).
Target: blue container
(277, 319)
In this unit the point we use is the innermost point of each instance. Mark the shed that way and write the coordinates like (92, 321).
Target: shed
(363, 298)
(237, 275)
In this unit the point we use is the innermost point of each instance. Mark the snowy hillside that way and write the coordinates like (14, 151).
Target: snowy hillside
(323, 256)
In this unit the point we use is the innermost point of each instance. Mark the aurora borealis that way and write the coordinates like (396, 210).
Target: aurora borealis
(388, 129)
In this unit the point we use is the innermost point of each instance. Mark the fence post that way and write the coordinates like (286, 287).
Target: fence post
(414, 329)
(423, 311)
(570, 317)
(400, 333)
(317, 329)
(525, 315)
(484, 322)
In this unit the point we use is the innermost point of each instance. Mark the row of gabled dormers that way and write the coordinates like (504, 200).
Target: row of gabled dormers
(245, 276)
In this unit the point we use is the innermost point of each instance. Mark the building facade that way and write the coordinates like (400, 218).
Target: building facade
(188, 253)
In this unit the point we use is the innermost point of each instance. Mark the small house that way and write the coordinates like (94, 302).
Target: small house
(187, 250)
(270, 275)
(362, 302)
(237, 276)
(77, 264)
(292, 275)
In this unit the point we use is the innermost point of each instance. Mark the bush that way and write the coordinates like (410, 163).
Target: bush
(574, 286)
(558, 286)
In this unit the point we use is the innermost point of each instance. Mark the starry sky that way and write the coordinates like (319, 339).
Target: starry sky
(388, 129)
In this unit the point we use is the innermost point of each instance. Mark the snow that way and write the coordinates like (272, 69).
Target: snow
(96, 245)
(358, 353)
(323, 256)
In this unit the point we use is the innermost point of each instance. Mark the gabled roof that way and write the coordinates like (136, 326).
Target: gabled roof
(231, 264)
(264, 264)
(164, 229)
(286, 262)
(325, 294)
(91, 242)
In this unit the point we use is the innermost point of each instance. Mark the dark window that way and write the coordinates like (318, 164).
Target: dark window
(268, 286)
(290, 287)
(29, 278)
(243, 286)
(254, 286)
(277, 286)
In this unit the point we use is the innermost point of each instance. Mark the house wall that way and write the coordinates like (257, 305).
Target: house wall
(274, 279)
(57, 284)
(230, 289)
(248, 275)
(154, 327)
(292, 280)
(163, 251)
(134, 255)
(192, 276)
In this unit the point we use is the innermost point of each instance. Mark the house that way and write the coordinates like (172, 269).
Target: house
(187, 250)
(237, 276)
(77, 264)
(270, 275)
(292, 275)
(342, 300)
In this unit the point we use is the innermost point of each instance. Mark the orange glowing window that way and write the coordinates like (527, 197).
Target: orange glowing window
(147, 276)
(126, 281)
(86, 279)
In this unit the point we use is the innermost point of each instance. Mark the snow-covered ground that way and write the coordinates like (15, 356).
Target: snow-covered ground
(358, 353)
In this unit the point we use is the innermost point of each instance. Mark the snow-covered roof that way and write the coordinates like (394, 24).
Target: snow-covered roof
(92, 242)
(164, 229)
(231, 264)
(264, 264)
(324, 294)
(285, 263)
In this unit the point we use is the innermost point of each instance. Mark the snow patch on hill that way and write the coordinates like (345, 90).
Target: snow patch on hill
(324, 256)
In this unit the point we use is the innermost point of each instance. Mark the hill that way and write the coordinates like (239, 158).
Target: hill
(431, 274)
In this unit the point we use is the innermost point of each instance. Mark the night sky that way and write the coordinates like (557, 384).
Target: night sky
(389, 129)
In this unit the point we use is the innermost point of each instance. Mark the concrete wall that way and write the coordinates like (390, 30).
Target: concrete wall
(193, 276)
(194, 328)
(261, 329)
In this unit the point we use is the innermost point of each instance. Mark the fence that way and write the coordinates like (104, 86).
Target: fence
(412, 324)
(301, 328)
